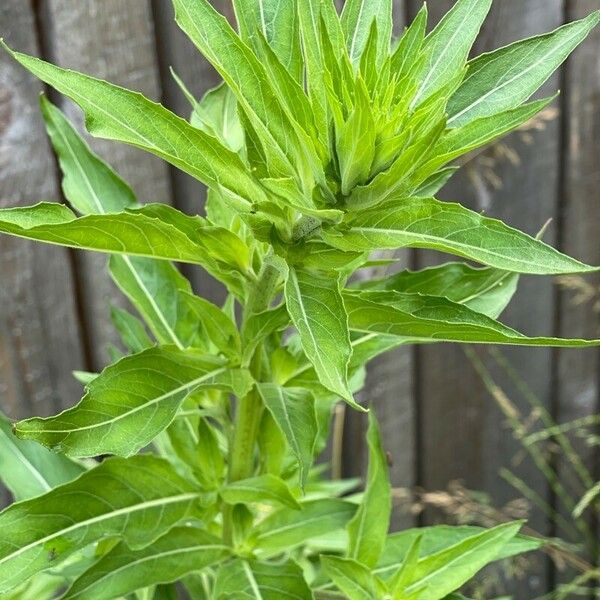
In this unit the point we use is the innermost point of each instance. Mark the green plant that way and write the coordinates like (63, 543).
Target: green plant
(322, 146)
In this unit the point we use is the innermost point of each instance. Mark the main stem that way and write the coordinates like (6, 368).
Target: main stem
(249, 408)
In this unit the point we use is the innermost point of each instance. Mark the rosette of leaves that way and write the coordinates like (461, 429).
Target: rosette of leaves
(326, 142)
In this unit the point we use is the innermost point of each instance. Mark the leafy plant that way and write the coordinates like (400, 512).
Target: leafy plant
(324, 144)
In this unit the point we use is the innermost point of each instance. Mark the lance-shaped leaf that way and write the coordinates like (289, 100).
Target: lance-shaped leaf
(287, 528)
(447, 46)
(436, 319)
(118, 114)
(260, 325)
(155, 231)
(119, 498)
(266, 489)
(293, 409)
(156, 289)
(279, 24)
(484, 290)
(438, 538)
(352, 578)
(357, 18)
(409, 45)
(131, 329)
(317, 310)
(439, 574)
(216, 326)
(132, 401)
(253, 580)
(122, 571)
(245, 75)
(479, 132)
(28, 469)
(368, 529)
(505, 78)
(452, 228)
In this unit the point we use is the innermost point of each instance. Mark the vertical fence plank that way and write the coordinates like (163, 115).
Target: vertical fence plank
(389, 391)
(462, 436)
(39, 330)
(176, 51)
(113, 40)
(577, 372)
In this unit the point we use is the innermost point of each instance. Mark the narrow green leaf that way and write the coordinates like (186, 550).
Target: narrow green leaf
(154, 231)
(253, 580)
(123, 571)
(446, 571)
(116, 499)
(448, 227)
(118, 114)
(409, 45)
(447, 46)
(279, 24)
(505, 78)
(132, 401)
(354, 579)
(293, 409)
(402, 577)
(368, 529)
(316, 308)
(90, 185)
(357, 17)
(484, 290)
(287, 528)
(435, 319)
(216, 325)
(259, 326)
(28, 469)
(131, 329)
(266, 489)
(245, 75)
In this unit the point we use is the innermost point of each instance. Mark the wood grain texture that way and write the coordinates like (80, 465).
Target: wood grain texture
(389, 391)
(113, 40)
(578, 373)
(463, 435)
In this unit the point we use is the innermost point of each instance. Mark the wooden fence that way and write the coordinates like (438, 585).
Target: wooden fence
(439, 420)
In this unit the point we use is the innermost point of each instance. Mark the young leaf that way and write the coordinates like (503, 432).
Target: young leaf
(287, 528)
(155, 231)
(431, 318)
(266, 489)
(447, 46)
(218, 327)
(505, 78)
(409, 45)
(437, 538)
(131, 329)
(279, 24)
(434, 183)
(446, 571)
(89, 184)
(118, 114)
(116, 499)
(402, 577)
(354, 579)
(357, 18)
(316, 308)
(484, 290)
(368, 529)
(254, 580)
(123, 571)
(260, 325)
(132, 401)
(28, 469)
(448, 227)
(293, 409)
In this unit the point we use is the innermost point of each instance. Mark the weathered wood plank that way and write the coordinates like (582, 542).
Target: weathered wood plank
(578, 373)
(113, 40)
(461, 432)
(39, 330)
